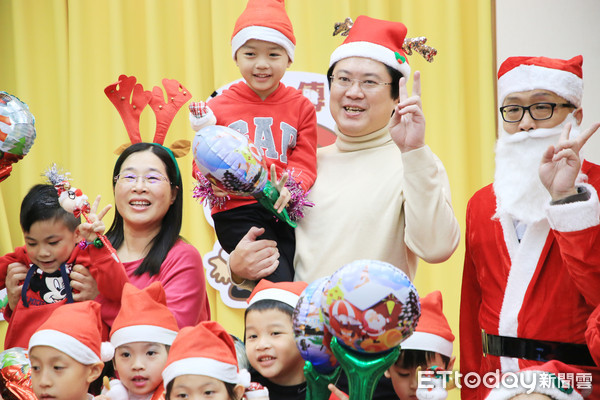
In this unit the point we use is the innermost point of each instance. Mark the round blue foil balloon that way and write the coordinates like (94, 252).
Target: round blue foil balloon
(309, 328)
(227, 159)
(17, 125)
(370, 306)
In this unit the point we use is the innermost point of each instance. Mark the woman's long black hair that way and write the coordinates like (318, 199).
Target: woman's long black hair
(162, 243)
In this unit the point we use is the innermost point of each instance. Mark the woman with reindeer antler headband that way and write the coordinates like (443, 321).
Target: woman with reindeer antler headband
(148, 204)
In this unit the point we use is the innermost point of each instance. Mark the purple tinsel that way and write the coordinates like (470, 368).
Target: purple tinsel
(204, 192)
(299, 198)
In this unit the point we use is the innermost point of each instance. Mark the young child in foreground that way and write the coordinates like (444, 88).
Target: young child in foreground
(37, 274)
(202, 363)
(67, 352)
(429, 347)
(279, 120)
(270, 343)
(142, 334)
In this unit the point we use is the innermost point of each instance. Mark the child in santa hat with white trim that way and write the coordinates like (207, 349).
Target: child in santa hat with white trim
(552, 380)
(203, 360)
(269, 337)
(429, 348)
(279, 120)
(67, 353)
(142, 334)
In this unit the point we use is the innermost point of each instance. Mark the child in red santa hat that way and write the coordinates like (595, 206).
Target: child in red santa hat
(67, 353)
(203, 360)
(142, 333)
(552, 380)
(279, 120)
(270, 343)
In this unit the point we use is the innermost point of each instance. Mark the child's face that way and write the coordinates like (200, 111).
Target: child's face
(56, 376)
(262, 64)
(271, 347)
(197, 387)
(49, 243)
(140, 365)
(405, 380)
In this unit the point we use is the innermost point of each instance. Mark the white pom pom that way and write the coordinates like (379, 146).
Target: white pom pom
(117, 391)
(207, 119)
(244, 378)
(107, 351)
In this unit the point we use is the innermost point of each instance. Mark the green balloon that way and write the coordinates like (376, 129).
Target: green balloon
(316, 382)
(363, 369)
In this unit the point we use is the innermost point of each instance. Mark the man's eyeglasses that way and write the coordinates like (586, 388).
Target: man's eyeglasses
(537, 111)
(366, 85)
(150, 179)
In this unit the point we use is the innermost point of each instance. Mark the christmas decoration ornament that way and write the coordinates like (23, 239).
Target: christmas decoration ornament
(17, 132)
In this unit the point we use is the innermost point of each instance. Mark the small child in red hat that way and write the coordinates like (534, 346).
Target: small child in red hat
(67, 353)
(270, 344)
(279, 120)
(203, 360)
(142, 333)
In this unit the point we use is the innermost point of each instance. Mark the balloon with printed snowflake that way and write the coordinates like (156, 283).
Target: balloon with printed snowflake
(370, 306)
(310, 330)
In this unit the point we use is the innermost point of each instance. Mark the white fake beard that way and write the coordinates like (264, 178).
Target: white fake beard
(519, 191)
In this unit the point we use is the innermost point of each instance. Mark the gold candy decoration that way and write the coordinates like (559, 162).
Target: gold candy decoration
(343, 28)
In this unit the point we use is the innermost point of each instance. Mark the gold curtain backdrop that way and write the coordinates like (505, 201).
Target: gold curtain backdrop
(59, 55)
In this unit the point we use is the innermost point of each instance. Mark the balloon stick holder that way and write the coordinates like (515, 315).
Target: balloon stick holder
(316, 382)
(267, 198)
(363, 369)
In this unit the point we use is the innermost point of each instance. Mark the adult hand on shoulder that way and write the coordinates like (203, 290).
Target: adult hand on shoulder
(254, 258)
(83, 284)
(407, 125)
(560, 164)
(14, 283)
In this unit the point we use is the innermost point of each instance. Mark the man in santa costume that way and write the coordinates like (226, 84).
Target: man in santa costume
(532, 266)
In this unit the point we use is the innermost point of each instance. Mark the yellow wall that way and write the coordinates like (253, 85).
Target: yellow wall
(58, 55)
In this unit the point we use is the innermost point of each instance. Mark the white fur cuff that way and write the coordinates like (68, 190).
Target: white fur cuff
(576, 216)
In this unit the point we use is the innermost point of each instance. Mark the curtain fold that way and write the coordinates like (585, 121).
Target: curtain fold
(58, 55)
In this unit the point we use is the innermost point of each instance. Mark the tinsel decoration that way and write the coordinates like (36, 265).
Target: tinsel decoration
(343, 28)
(204, 193)
(418, 45)
(299, 198)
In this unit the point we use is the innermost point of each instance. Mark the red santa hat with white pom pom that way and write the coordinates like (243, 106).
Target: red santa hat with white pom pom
(82, 340)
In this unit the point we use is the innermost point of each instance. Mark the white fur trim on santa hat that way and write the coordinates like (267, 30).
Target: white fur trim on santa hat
(534, 383)
(65, 343)
(530, 77)
(370, 50)
(427, 342)
(577, 216)
(284, 296)
(142, 333)
(265, 34)
(208, 367)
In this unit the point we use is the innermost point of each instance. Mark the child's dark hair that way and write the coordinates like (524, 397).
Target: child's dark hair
(410, 359)
(228, 386)
(41, 204)
(265, 305)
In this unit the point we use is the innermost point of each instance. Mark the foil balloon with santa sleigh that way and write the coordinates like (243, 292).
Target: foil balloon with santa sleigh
(369, 307)
(229, 161)
(17, 132)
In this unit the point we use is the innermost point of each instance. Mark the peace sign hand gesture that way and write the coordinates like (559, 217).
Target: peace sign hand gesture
(407, 125)
(560, 164)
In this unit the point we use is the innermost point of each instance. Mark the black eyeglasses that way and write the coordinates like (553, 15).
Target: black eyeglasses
(537, 111)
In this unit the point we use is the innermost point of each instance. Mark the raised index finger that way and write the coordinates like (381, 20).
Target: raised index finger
(417, 84)
(94, 208)
(403, 90)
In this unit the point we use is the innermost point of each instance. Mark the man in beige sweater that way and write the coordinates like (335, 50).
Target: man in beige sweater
(380, 192)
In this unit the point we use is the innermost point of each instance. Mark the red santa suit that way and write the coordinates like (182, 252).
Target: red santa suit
(592, 335)
(543, 287)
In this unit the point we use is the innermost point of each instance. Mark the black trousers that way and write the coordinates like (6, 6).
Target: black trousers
(232, 225)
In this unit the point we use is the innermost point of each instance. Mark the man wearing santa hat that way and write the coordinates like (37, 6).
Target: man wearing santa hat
(532, 269)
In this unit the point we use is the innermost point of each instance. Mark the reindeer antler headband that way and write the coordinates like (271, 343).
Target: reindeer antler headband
(130, 99)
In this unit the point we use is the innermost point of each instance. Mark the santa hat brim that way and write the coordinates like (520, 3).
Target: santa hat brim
(66, 344)
(369, 50)
(205, 366)
(284, 296)
(530, 77)
(265, 34)
(427, 342)
(142, 333)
